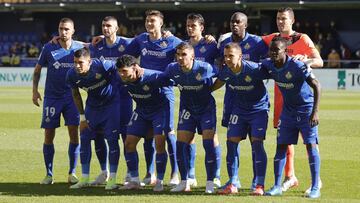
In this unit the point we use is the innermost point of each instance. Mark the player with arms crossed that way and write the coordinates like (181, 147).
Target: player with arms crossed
(249, 114)
(299, 46)
(197, 111)
(100, 81)
(58, 58)
(299, 114)
(253, 49)
(147, 88)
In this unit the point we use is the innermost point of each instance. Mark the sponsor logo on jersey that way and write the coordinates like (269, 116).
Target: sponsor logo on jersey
(159, 54)
(198, 77)
(98, 76)
(146, 88)
(248, 78)
(57, 65)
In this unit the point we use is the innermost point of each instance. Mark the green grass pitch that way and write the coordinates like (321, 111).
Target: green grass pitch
(22, 167)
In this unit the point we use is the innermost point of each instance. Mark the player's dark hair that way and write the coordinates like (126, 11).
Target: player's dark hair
(125, 60)
(233, 45)
(109, 18)
(83, 52)
(287, 9)
(66, 20)
(184, 45)
(196, 17)
(154, 13)
(279, 39)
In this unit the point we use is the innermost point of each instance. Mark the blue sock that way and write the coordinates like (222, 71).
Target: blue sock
(232, 160)
(192, 156)
(73, 152)
(260, 162)
(48, 152)
(279, 163)
(210, 159)
(85, 154)
(149, 151)
(218, 161)
(132, 162)
(171, 145)
(161, 161)
(314, 162)
(253, 163)
(102, 152)
(114, 154)
(182, 152)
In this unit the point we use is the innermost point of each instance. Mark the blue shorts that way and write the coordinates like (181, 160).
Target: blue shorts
(104, 119)
(140, 122)
(241, 125)
(290, 126)
(189, 121)
(227, 108)
(126, 108)
(52, 110)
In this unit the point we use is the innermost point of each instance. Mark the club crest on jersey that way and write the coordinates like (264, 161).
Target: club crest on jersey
(98, 76)
(57, 65)
(247, 46)
(202, 49)
(121, 48)
(248, 79)
(198, 77)
(163, 44)
(146, 88)
(288, 75)
(47, 119)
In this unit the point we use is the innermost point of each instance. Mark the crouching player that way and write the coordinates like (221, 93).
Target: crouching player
(299, 113)
(197, 111)
(147, 88)
(100, 81)
(249, 114)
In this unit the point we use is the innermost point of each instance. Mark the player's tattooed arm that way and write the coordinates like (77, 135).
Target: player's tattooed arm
(217, 85)
(315, 85)
(36, 78)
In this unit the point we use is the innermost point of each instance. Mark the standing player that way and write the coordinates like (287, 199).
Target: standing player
(253, 49)
(156, 53)
(197, 111)
(207, 52)
(100, 81)
(110, 48)
(57, 97)
(152, 112)
(299, 114)
(300, 47)
(249, 114)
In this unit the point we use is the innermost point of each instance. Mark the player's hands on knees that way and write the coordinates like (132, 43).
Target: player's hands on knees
(54, 40)
(97, 39)
(300, 57)
(83, 125)
(314, 119)
(36, 98)
(209, 39)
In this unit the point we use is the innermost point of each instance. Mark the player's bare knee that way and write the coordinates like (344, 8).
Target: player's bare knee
(234, 139)
(160, 143)
(49, 136)
(257, 139)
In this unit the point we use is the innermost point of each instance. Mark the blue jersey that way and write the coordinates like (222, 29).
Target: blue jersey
(154, 55)
(100, 83)
(207, 52)
(247, 87)
(194, 86)
(148, 92)
(291, 79)
(103, 51)
(252, 46)
(58, 61)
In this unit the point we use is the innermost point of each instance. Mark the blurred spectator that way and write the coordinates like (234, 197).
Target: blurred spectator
(33, 51)
(357, 55)
(319, 43)
(123, 30)
(225, 28)
(44, 38)
(317, 31)
(171, 27)
(333, 59)
(12, 59)
(213, 30)
(329, 43)
(345, 54)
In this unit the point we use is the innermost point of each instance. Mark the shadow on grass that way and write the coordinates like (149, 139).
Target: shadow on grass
(62, 189)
